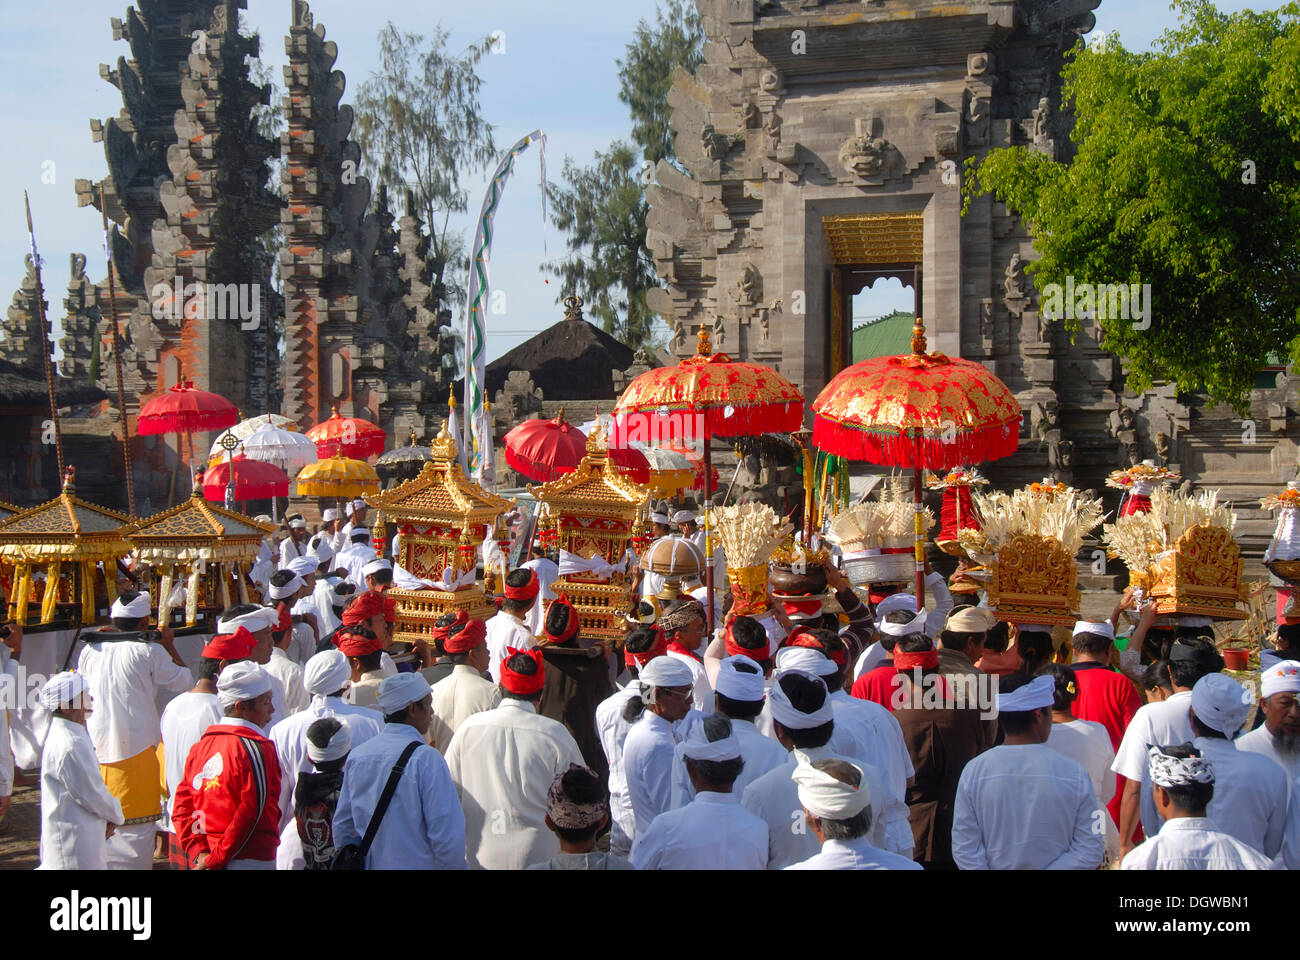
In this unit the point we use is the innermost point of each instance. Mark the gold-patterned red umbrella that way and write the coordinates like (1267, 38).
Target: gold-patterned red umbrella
(920, 410)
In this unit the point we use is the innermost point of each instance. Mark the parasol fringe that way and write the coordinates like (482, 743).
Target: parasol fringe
(900, 449)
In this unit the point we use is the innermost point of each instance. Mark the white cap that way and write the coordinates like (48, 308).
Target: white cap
(665, 671)
(400, 691)
(358, 505)
(1037, 693)
(1221, 703)
(326, 672)
(288, 590)
(304, 566)
(263, 618)
(827, 798)
(298, 524)
(660, 518)
(329, 514)
(241, 682)
(683, 516)
(698, 746)
(137, 609)
(374, 566)
(1282, 677)
(740, 684)
(62, 688)
(1102, 627)
(336, 749)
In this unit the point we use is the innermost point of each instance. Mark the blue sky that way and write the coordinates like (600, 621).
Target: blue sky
(557, 72)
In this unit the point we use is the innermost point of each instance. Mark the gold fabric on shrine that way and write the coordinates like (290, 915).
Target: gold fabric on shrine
(876, 238)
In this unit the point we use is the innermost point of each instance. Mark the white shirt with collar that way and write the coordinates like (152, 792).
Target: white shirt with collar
(1250, 795)
(291, 549)
(613, 730)
(423, 828)
(290, 739)
(1163, 724)
(1264, 743)
(760, 754)
(1193, 843)
(877, 739)
(503, 763)
(1026, 807)
(289, 674)
(712, 832)
(506, 630)
(774, 799)
(456, 698)
(184, 721)
(75, 804)
(648, 757)
(124, 678)
(855, 854)
(322, 599)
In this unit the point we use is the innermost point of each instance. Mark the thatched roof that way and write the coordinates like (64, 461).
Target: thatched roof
(570, 360)
(23, 386)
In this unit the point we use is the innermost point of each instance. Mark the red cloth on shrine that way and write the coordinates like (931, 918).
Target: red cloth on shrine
(1135, 503)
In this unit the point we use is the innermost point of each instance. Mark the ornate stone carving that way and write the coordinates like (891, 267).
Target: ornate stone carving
(864, 156)
(977, 64)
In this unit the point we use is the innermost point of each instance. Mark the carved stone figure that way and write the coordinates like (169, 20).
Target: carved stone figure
(748, 288)
(750, 115)
(713, 144)
(863, 155)
(769, 81)
(1013, 278)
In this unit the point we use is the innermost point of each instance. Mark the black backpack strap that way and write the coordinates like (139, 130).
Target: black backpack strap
(385, 798)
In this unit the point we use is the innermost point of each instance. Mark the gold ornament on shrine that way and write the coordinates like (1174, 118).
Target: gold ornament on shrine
(66, 539)
(207, 548)
(594, 512)
(441, 517)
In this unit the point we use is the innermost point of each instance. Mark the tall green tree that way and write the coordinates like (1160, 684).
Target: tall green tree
(602, 206)
(421, 128)
(1185, 178)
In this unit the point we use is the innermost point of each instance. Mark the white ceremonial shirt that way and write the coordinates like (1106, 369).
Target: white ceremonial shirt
(354, 559)
(855, 854)
(1164, 724)
(612, 730)
(774, 798)
(1250, 795)
(1087, 743)
(548, 571)
(322, 599)
(184, 721)
(869, 732)
(702, 695)
(75, 804)
(303, 645)
(712, 832)
(648, 758)
(456, 698)
(1193, 843)
(869, 659)
(124, 678)
(503, 763)
(423, 828)
(291, 549)
(760, 754)
(8, 701)
(1264, 743)
(290, 739)
(289, 674)
(506, 630)
(1026, 807)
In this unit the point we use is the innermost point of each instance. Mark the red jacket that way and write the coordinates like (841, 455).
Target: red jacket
(877, 685)
(228, 802)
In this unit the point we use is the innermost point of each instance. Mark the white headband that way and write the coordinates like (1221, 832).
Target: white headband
(329, 514)
(785, 713)
(336, 749)
(683, 516)
(804, 660)
(135, 610)
(288, 590)
(326, 672)
(897, 630)
(665, 671)
(1037, 693)
(303, 566)
(262, 618)
(660, 518)
(896, 601)
(374, 566)
(298, 524)
(1088, 626)
(358, 505)
(241, 682)
(1167, 771)
(62, 688)
(738, 684)
(698, 746)
(401, 690)
(827, 798)
(1282, 677)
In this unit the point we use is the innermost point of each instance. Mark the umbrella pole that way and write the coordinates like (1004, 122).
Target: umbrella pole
(708, 541)
(917, 508)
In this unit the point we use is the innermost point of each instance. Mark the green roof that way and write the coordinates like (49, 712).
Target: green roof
(890, 335)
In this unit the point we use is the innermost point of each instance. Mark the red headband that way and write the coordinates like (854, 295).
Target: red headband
(469, 637)
(528, 591)
(924, 659)
(570, 623)
(803, 637)
(518, 682)
(365, 606)
(353, 645)
(657, 649)
(230, 646)
(285, 618)
(734, 649)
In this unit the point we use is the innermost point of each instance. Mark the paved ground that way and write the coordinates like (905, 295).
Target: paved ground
(20, 831)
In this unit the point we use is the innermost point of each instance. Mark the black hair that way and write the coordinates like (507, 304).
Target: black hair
(516, 579)
(238, 610)
(957, 640)
(1191, 798)
(209, 668)
(321, 732)
(126, 624)
(400, 716)
(1290, 632)
(998, 637)
(717, 772)
(749, 634)
(856, 825)
(1202, 729)
(1064, 677)
(1019, 721)
(583, 787)
(807, 696)
(1093, 644)
(557, 622)
(1205, 660)
(1156, 674)
(381, 577)
(740, 709)
(282, 577)
(370, 662)
(361, 537)
(525, 666)
(1036, 649)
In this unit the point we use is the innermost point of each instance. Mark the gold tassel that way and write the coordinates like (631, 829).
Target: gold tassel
(243, 583)
(192, 594)
(88, 611)
(22, 591)
(51, 597)
(223, 574)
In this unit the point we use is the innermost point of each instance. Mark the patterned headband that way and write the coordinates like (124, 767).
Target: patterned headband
(1167, 771)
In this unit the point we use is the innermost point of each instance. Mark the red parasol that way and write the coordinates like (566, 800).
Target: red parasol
(919, 410)
(184, 409)
(254, 480)
(350, 436)
(704, 396)
(543, 450)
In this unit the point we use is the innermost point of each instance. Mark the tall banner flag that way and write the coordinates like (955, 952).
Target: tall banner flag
(478, 430)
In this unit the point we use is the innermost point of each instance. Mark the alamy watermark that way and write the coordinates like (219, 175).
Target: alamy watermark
(218, 301)
(1098, 301)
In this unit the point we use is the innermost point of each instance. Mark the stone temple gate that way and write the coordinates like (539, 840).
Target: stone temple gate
(822, 147)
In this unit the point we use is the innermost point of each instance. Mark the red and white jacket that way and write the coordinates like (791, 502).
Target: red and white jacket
(228, 801)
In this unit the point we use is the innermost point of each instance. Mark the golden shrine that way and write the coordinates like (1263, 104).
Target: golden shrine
(208, 547)
(66, 539)
(1035, 580)
(442, 517)
(1201, 576)
(593, 511)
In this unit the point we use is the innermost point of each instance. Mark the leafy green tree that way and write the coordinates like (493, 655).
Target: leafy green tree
(602, 207)
(1185, 178)
(421, 128)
